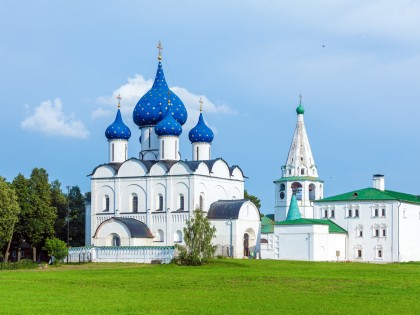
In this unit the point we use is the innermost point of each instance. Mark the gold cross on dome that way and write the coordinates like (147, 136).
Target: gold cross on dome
(119, 99)
(160, 48)
(201, 105)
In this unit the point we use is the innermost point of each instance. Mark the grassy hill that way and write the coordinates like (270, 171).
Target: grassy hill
(221, 287)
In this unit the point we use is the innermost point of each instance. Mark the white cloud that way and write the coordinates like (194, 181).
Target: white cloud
(48, 118)
(136, 87)
(101, 112)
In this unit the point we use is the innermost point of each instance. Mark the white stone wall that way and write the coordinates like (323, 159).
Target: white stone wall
(362, 228)
(149, 143)
(201, 151)
(133, 179)
(248, 222)
(145, 255)
(169, 148)
(118, 150)
(267, 249)
(409, 235)
(308, 242)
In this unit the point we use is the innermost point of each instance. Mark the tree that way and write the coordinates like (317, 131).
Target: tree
(9, 215)
(23, 193)
(59, 201)
(77, 217)
(57, 249)
(255, 200)
(37, 216)
(41, 222)
(198, 234)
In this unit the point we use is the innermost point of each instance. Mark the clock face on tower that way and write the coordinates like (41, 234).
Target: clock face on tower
(281, 195)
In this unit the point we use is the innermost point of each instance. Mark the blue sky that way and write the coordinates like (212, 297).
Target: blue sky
(357, 64)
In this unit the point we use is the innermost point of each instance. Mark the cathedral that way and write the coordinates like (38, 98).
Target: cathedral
(146, 201)
(366, 225)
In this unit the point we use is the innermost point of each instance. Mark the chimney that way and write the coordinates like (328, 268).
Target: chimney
(379, 182)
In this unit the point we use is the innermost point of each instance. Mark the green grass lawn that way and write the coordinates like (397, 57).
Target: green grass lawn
(221, 287)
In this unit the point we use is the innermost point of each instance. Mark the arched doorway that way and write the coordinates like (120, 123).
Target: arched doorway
(116, 241)
(246, 244)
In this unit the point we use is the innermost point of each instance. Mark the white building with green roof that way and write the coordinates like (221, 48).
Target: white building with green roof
(382, 225)
(367, 225)
(298, 238)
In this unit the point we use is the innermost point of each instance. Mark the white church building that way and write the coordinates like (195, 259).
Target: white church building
(367, 225)
(146, 201)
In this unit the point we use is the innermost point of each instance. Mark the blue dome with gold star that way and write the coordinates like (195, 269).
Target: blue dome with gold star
(168, 126)
(201, 132)
(118, 130)
(151, 108)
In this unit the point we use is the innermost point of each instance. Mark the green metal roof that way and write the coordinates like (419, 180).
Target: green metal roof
(293, 213)
(332, 227)
(368, 194)
(298, 178)
(267, 224)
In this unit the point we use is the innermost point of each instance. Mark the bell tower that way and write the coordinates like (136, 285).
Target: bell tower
(299, 174)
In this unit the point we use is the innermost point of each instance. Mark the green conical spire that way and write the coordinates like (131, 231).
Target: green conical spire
(293, 213)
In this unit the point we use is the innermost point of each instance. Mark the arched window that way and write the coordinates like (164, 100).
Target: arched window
(163, 149)
(178, 236)
(312, 192)
(297, 190)
(126, 151)
(282, 187)
(198, 153)
(201, 206)
(106, 203)
(160, 236)
(135, 203)
(181, 202)
(160, 203)
(116, 241)
(112, 152)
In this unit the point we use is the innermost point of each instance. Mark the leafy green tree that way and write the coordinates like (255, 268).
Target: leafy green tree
(37, 216)
(59, 201)
(41, 222)
(21, 186)
(9, 215)
(255, 200)
(77, 217)
(198, 234)
(56, 248)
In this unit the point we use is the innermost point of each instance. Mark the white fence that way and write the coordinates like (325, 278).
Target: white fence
(135, 254)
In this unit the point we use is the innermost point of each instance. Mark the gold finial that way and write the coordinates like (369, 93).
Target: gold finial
(201, 105)
(160, 47)
(300, 99)
(119, 99)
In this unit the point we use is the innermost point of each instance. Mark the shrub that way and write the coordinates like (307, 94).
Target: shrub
(57, 249)
(198, 234)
